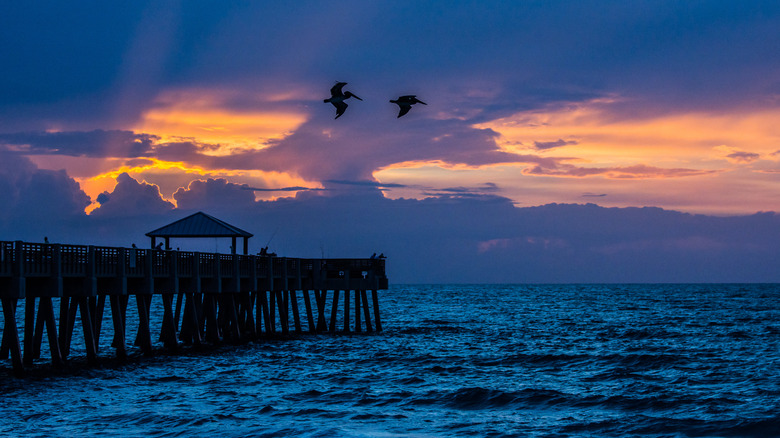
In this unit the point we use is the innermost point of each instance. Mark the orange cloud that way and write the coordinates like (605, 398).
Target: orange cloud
(621, 172)
(735, 155)
(214, 117)
(597, 131)
(170, 176)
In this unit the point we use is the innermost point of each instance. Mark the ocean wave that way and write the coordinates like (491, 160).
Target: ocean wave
(661, 426)
(433, 329)
(533, 359)
(645, 361)
(476, 398)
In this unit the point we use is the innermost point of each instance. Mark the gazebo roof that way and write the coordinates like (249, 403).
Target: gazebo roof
(199, 225)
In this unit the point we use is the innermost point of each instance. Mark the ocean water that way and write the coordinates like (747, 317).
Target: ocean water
(470, 360)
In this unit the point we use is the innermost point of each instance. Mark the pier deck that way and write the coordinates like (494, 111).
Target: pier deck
(218, 297)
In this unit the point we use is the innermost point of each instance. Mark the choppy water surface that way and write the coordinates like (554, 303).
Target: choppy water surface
(664, 360)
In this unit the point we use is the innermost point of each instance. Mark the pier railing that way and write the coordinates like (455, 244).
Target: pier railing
(61, 261)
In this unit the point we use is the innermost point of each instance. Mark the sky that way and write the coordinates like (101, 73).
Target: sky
(562, 141)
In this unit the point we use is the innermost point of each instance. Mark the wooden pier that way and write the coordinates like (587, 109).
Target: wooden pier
(205, 298)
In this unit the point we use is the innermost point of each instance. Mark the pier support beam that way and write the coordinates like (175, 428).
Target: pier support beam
(43, 320)
(264, 308)
(346, 311)
(309, 314)
(334, 310)
(296, 313)
(144, 337)
(10, 343)
(366, 311)
(86, 325)
(29, 331)
(377, 320)
(118, 316)
(358, 325)
(168, 332)
(322, 323)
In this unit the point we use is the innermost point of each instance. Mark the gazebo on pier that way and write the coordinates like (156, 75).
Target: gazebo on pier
(200, 225)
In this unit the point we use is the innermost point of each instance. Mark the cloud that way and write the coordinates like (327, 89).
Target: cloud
(283, 189)
(487, 238)
(627, 172)
(553, 144)
(97, 143)
(37, 202)
(374, 184)
(609, 132)
(131, 199)
(214, 195)
(482, 237)
(743, 157)
(351, 150)
(738, 156)
(487, 187)
(483, 191)
(229, 120)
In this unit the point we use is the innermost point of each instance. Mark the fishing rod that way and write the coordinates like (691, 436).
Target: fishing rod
(272, 237)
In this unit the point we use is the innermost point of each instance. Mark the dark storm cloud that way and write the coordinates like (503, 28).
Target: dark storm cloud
(503, 243)
(37, 202)
(97, 143)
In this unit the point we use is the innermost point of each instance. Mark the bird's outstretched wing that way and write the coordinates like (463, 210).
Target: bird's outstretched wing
(404, 109)
(340, 108)
(336, 89)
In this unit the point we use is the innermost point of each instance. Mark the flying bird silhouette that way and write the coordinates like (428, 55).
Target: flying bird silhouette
(405, 103)
(338, 97)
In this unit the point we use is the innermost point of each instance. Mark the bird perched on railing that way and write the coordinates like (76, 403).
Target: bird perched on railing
(338, 97)
(405, 103)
